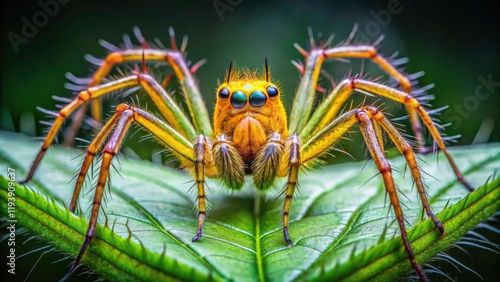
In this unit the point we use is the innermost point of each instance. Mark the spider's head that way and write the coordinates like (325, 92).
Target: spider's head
(245, 97)
(245, 90)
(247, 93)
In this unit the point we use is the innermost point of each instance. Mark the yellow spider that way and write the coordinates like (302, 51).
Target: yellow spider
(251, 133)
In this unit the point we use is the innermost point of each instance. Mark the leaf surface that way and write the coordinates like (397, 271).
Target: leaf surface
(341, 224)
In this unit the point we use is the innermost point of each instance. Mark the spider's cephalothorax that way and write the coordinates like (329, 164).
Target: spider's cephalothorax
(247, 111)
(248, 117)
(251, 133)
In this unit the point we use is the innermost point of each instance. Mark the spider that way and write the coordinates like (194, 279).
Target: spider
(250, 133)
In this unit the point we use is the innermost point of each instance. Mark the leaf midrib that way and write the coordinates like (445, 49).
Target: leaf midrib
(258, 247)
(160, 227)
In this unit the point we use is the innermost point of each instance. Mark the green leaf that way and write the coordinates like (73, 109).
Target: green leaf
(340, 222)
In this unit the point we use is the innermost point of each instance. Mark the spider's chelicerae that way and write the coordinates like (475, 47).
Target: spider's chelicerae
(250, 133)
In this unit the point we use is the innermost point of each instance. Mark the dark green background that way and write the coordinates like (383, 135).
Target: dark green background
(452, 42)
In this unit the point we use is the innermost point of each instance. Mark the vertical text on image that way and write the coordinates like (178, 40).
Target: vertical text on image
(11, 221)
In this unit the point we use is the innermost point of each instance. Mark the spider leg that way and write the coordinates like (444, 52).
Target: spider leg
(327, 110)
(220, 160)
(119, 125)
(175, 58)
(369, 52)
(406, 150)
(291, 159)
(385, 170)
(303, 101)
(380, 139)
(166, 105)
(109, 151)
(192, 95)
(201, 157)
(91, 151)
(324, 139)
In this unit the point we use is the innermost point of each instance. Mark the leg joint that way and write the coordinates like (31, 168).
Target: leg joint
(294, 150)
(384, 168)
(122, 107)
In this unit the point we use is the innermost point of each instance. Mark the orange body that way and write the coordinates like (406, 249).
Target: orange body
(248, 120)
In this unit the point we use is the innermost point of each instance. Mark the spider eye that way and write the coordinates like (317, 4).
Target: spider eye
(257, 98)
(238, 99)
(272, 91)
(224, 93)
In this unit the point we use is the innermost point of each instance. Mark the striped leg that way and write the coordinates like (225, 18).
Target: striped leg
(110, 150)
(144, 52)
(304, 99)
(201, 151)
(292, 158)
(406, 150)
(371, 122)
(378, 156)
(118, 126)
(330, 107)
(89, 157)
(166, 105)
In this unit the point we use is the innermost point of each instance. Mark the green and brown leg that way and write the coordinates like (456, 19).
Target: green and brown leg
(333, 103)
(366, 117)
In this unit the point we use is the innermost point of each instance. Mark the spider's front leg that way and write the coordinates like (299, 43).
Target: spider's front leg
(378, 156)
(118, 126)
(201, 159)
(291, 159)
(220, 159)
(371, 122)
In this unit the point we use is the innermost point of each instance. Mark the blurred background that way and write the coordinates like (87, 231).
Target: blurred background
(457, 45)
